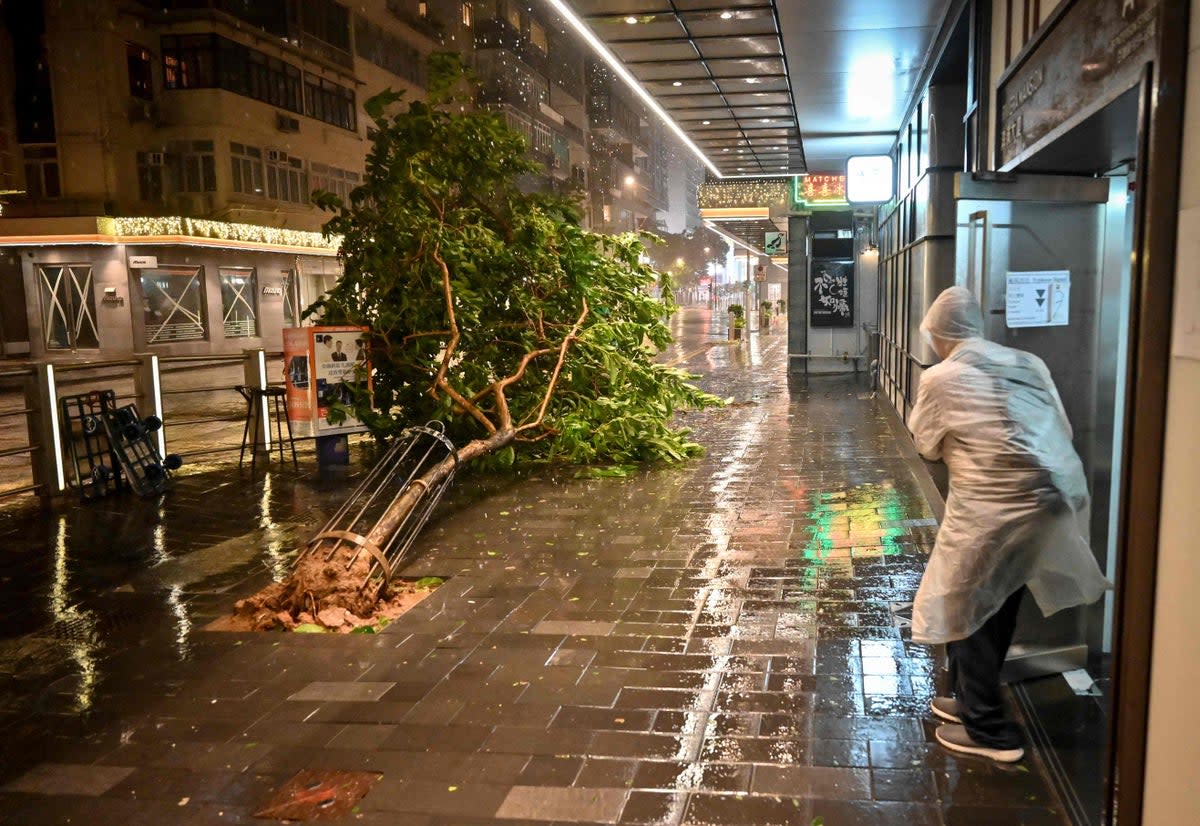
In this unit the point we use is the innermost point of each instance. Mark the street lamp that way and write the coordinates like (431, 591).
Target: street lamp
(630, 180)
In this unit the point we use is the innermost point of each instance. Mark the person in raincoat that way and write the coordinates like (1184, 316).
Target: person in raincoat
(1015, 516)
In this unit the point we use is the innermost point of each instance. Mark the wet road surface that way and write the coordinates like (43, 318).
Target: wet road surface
(712, 644)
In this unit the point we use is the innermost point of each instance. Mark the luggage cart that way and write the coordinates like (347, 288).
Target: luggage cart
(133, 445)
(97, 470)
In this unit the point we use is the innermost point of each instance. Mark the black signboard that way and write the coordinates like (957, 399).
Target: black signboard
(1093, 53)
(831, 293)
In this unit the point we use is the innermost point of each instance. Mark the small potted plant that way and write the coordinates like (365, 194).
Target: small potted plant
(781, 306)
(764, 316)
(737, 320)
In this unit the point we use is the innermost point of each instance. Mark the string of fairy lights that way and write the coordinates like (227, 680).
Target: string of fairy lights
(175, 225)
(744, 192)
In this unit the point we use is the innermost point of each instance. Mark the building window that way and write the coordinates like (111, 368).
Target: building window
(141, 84)
(513, 14)
(68, 306)
(238, 292)
(173, 304)
(423, 10)
(41, 172)
(286, 180)
(537, 36)
(189, 61)
(195, 168)
(247, 169)
(327, 101)
(331, 179)
(466, 15)
(327, 21)
(150, 176)
(543, 139)
(388, 52)
(291, 298)
(208, 61)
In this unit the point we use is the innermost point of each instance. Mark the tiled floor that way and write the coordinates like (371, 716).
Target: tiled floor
(707, 645)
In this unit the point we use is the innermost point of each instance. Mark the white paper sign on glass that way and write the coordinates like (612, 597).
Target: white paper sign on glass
(869, 179)
(1038, 299)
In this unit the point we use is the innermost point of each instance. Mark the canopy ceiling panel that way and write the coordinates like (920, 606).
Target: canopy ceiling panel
(716, 66)
(772, 87)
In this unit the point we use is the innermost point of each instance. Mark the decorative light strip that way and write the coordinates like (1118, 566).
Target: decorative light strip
(735, 213)
(745, 193)
(619, 69)
(216, 230)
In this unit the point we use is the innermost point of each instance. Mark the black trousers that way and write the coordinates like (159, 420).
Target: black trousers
(975, 677)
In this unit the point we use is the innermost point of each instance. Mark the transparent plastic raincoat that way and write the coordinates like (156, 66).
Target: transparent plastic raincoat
(1017, 509)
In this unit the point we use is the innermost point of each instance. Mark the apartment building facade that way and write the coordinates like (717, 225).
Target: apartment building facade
(157, 156)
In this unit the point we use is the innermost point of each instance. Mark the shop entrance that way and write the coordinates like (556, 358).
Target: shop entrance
(1048, 252)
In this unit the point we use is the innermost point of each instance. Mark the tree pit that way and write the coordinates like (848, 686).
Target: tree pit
(257, 614)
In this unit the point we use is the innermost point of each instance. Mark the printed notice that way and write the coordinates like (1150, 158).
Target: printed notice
(1038, 299)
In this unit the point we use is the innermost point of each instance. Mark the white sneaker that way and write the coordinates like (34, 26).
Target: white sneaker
(956, 739)
(946, 708)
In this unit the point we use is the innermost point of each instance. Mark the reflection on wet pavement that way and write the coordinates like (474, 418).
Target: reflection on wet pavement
(713, 644)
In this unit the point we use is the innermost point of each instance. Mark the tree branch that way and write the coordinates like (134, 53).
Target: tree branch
(562, 357)
(440, 381)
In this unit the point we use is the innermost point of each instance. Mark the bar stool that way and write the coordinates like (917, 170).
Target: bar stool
(256, 398)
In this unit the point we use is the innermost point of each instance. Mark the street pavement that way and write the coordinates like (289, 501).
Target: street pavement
(718, 643)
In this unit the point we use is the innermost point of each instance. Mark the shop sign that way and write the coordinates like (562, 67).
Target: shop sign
(820, 190)
(272, 290)
(1037, 299)
(869, 179)
(143, 262)
(1095, 52)
(760, 273)
(831, 294)
(775, 243)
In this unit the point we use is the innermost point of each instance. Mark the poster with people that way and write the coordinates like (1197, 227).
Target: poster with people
(323, 366)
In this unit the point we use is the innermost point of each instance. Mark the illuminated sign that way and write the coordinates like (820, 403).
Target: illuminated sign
(821, 190)
(869, 179)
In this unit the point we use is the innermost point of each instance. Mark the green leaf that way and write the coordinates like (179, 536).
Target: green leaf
(429, 582)
(310, 628)
(363, 629)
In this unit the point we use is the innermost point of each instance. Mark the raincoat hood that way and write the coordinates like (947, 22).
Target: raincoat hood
(954, 316)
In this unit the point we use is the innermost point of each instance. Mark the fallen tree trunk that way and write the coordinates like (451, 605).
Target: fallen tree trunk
(332, 583)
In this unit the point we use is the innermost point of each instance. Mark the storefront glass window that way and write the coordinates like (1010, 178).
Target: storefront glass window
(173, 302)
(238, 303)
(68, 306)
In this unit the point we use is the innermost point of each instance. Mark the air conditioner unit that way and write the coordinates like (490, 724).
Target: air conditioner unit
(155, 158)
(284, 123)
(273, 155)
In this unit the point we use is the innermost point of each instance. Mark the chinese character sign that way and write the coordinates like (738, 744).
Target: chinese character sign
(832, 293)
(823, 189)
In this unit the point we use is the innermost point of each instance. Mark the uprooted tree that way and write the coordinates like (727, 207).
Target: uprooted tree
(492, 310)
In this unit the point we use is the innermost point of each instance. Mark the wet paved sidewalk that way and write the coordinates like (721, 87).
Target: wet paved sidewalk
(706, 645)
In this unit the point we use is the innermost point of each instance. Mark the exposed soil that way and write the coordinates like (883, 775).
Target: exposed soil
(253, 615)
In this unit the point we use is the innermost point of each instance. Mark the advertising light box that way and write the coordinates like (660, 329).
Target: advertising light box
(869, 179)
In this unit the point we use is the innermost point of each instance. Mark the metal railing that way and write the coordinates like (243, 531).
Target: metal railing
(194, 396)
(18, 444)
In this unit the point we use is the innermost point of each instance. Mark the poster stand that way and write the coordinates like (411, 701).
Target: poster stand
(321, 365)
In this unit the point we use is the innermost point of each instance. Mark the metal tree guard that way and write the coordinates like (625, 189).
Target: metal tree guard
(397, 473)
